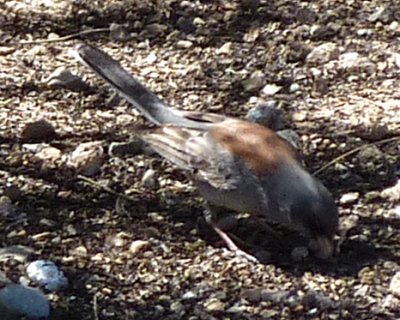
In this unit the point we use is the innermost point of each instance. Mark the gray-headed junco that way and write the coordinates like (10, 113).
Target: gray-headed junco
(234, 163)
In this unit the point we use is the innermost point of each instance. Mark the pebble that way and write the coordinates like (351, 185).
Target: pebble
(40, 130)
(394, 286)
(17, 252)
(64, 79)
(148, 179)
(381, 13)
(184, 44)
(186, 25)
(254, 82)
(392, 193)
(119, 32)
(271, 89)
(189, 295)
(323, 53)
(20, 301)
(214, 305)
(294, 87)
(87, 158)
(7, 209)
(121, 149)
(46, 274)
(354, 62)
(348, 198)
(138, 246)
(49, 154)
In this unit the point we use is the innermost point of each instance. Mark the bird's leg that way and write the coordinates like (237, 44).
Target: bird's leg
(210, 214)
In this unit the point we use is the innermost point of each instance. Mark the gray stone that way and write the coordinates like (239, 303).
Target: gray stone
(17, 301)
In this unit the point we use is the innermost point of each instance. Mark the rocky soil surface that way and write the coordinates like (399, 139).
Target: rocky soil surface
(127, 230)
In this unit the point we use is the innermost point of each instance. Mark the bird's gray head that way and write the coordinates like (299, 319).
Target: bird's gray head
(314, 210)
(308, 205)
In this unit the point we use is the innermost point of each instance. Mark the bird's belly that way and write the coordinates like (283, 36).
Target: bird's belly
(243, 199)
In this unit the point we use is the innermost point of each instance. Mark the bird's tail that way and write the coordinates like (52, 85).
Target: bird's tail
(152, 107)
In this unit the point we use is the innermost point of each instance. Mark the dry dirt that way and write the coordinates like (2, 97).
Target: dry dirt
(198, 55)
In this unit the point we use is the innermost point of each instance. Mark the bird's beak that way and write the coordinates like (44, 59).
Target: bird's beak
(322, 246)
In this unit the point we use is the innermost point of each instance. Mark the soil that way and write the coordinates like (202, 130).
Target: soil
(135, 249)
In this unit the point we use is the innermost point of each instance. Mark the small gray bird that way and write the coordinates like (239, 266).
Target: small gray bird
(234, 163)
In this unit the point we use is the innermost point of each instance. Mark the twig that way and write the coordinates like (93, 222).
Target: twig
(349, 153)
(104, 188)
(65, 38)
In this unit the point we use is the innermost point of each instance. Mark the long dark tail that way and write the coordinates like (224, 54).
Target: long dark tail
(152, 107)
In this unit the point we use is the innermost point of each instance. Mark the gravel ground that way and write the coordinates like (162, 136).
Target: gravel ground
(134, 247)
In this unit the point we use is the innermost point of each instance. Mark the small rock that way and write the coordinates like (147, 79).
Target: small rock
(138, 246)
(372, 196)
(186, 25)
(49, 155)
(271, 89)
(184, 44)
(252, 34)
(116, 240)
(381, 13)
(348, 198)
(151, 58)
(7, 209)
(364, 32)
(299, 116)
(362, 291)
(19, 301)
(299, 254)
(154, 30)
(87, 158)
(40, 130)
(278, 296)
(392, 193)
(251, 5)
(46, 274)
(177, 306)
(396, 59)
(254, 82)
(131, 148)
(396, 212)
(148, 179)
(294, 87)
(17, 252)
(353, 62)
(266, 114)
(4, 279)
(189, 295)
(317, 299)
(214, 305)
(119, 32)
(323, 53)
(306, 15)
(226, 48)
(394, 286)
(64, 79)
(237, 308)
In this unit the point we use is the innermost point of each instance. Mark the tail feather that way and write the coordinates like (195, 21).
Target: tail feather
(152, 107)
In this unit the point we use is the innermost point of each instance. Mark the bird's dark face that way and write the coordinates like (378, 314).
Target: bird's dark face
(317, 215)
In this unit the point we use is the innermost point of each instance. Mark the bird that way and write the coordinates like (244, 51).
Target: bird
(235, 164)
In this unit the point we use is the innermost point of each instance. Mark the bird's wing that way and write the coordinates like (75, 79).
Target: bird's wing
(195, 151)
